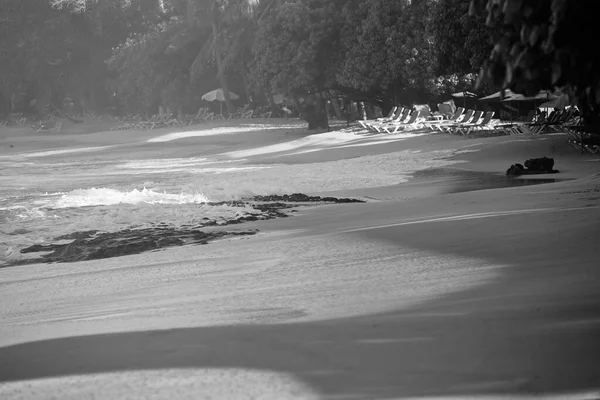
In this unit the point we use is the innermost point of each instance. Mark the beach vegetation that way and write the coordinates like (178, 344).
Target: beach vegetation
(138, 55)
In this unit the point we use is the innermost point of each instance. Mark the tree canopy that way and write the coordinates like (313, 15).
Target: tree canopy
(544, 44)
(136, 55)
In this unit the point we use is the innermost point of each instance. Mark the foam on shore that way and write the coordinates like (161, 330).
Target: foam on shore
(227, 130)
(317, 142)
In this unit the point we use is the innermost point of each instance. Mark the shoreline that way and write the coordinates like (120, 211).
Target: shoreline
(478, 293)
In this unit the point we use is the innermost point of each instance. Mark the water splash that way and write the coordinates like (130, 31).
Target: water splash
(107, 197)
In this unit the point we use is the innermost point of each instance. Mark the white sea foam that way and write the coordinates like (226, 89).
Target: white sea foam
(66, 151)
(323, 141)
(228, 130)
(166, 163)
(105, 197)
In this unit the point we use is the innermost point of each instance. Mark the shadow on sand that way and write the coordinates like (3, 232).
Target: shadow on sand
(529, 331)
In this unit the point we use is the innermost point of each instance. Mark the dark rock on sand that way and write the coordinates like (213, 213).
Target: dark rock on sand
(92, 244)
(303, 198)
(533, 166)
(122, 243)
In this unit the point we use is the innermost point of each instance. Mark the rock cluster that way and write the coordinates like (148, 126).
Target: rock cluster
(533, 166)
(92, 245)
(303, 198)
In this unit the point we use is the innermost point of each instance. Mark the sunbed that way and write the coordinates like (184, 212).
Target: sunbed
(475, 117)
(413, 122)
(453, 119)
(369, 124)
(379, 126)
(464, 118)
(392, 114)
(484, 123)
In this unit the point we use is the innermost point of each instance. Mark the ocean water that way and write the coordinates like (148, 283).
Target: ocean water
(158, 180)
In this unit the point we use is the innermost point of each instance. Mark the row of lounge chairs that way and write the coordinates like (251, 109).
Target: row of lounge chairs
(13, 119)
(585, 138)
(465, 122)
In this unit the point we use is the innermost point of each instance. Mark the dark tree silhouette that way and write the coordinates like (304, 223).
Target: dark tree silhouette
(545, 44)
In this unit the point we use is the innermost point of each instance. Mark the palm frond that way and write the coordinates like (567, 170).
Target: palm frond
(181, 39)
(202, 58)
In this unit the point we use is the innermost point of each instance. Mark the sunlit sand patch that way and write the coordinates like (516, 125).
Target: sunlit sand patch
(181, 384)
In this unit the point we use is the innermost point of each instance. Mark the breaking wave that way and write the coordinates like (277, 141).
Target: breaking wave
(107, 197)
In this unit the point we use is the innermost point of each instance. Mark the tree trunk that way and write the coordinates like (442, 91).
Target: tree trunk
(313, 112)
(336, 108)
(220, 68)
(245, 82)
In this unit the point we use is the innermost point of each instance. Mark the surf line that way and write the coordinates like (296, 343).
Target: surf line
(465, 217)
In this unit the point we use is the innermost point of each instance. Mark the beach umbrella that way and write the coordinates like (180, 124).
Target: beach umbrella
(497, 96)
(541, 96)
(219, 95)
(464, 94)
(538, 98)
(560, 102)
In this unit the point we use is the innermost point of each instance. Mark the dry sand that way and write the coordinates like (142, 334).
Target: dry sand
(420, 293)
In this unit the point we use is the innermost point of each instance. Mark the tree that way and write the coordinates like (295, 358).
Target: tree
(461, 43)
(545, 44)
(145, 77)
(214, 16)
(297, 52)
(54, 51)
(297, 48)
(388, 49)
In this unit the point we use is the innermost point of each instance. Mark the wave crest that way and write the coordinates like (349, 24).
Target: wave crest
(107, 197)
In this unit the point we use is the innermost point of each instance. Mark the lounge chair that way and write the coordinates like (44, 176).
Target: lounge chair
(554, 122)
(464, 118)
(445, 110)
(402, 115)
(413, 122)
(585, 139)
(392, 114)
(453, 119)
(484, 124)
(469, 118)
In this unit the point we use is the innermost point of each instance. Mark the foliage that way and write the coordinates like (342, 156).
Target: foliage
(545, 44)
(298, 48)
(167, 52)
(380, 48)
(144, 73)
(49, 53)
(461, 43)
(445, 85)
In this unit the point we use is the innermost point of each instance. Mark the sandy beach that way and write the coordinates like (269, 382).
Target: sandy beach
(451, 281)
